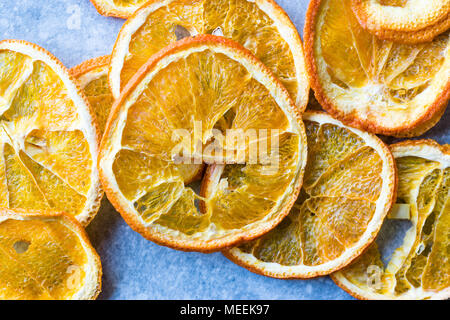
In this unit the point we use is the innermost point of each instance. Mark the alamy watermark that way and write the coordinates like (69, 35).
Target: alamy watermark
(75, 277)
(374, 277)
(230, 146)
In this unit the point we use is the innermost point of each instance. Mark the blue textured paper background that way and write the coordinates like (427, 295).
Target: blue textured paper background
(133, 267)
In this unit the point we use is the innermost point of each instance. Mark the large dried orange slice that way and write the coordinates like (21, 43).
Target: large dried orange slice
(261, 26)
(214, 82)
(117, 8)
(92, 76)
(49, 144)
(349, 187)
(46, 256)
(381, 86)
(406, 21)
(420, 267)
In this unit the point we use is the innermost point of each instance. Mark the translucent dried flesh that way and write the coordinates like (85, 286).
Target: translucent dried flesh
(217, 91)
(44, 158)
(215, 84)
(101, 100)
(388, 76)
(394, 3)
(126, 3)
(252, 190)
(337, 201)
(40, 259)
(240, 20)
(422, 261)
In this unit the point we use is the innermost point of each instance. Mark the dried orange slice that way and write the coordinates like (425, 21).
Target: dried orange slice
(349, 187)
(380, 86)
(92, 76)
(49, 143)
(420, 267)
(261, 26)
(215, 82)
(406, 21)
(117, 8)
(46, 255)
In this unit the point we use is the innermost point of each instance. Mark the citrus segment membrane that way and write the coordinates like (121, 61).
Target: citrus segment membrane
(260, 26)
(46, 256)
(347, 191)
(419, 268)
(194, 92)
(406, 21)
(117, 8)
(93, 78)
(48, 146)
(381, 86)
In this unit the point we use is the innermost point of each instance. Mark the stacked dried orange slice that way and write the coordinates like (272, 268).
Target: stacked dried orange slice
(49, 141)
(420, 267)
(92, 76)
(407, 21)
(49, 148)
(46, 255)
(380, 86)
(215, 82)
(117, 8)
(348, 189)
(260, 26)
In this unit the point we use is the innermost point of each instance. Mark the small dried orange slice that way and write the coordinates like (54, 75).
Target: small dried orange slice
(406, 21)
(260, 26)
(92, 76)
(46, 255)
(380, 86)
(420, 267)
(117, 8)
(215, 82)
(349, 187)
(48, 136)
